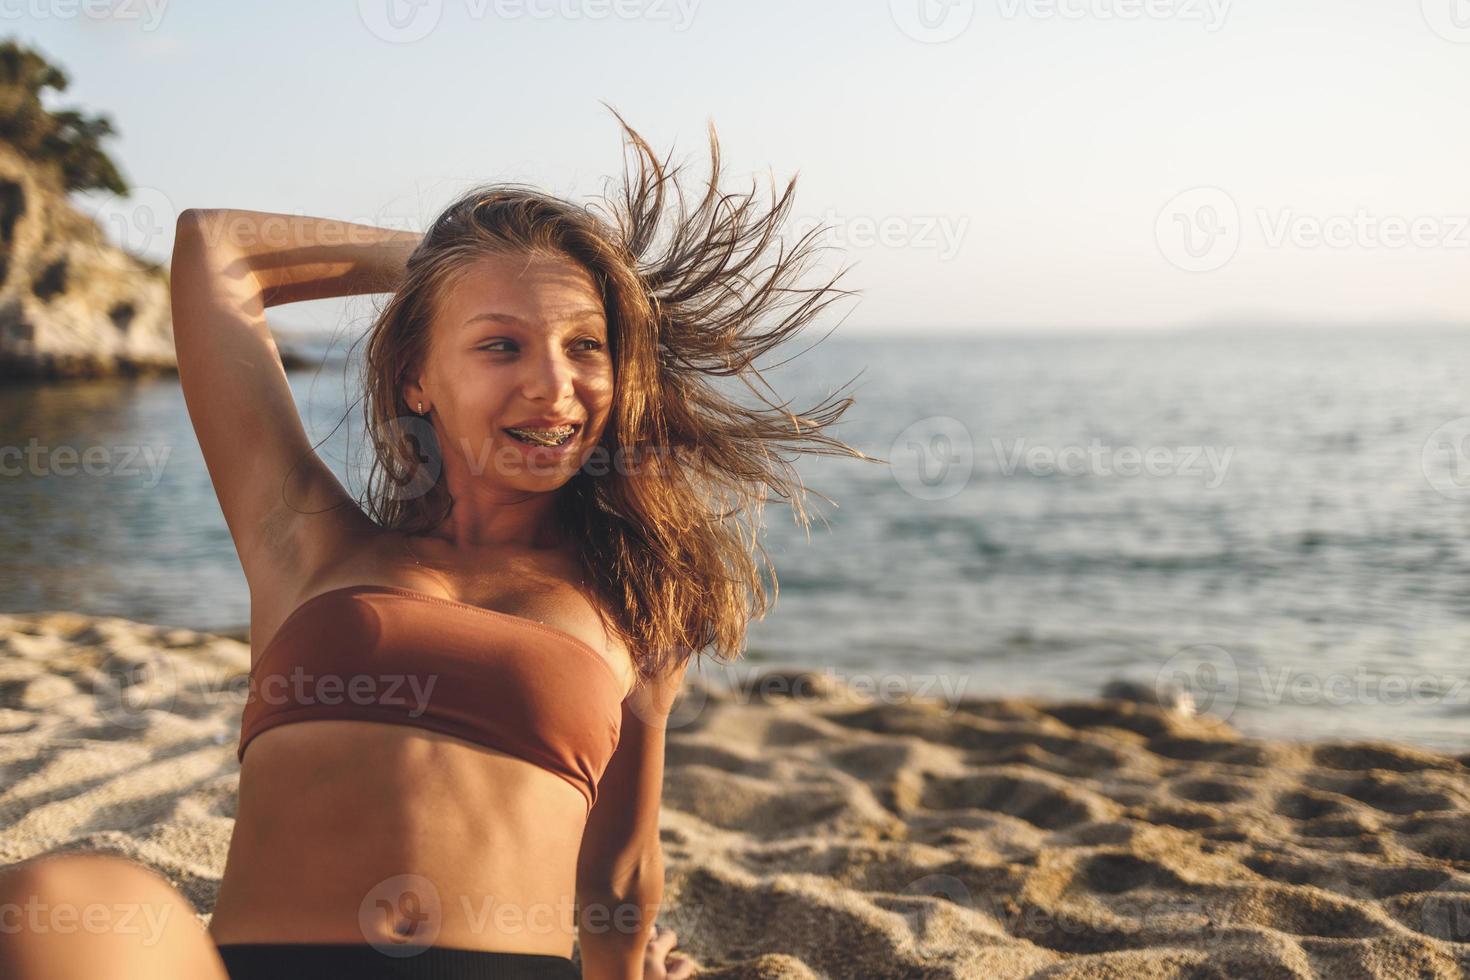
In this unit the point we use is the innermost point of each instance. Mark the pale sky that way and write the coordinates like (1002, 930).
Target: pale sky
(989, 164)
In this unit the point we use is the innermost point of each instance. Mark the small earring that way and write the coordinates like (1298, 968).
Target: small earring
(421, 408)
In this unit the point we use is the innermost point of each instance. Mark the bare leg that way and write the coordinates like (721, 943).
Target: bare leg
(101, 917)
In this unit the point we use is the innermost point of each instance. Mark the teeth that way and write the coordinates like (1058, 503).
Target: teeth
(546, 437)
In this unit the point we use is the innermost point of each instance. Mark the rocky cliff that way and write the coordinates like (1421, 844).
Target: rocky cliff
(71, 304)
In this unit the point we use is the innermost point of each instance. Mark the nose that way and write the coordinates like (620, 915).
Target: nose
(549, 376)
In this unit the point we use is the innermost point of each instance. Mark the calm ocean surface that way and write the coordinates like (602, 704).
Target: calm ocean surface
(1279, 521)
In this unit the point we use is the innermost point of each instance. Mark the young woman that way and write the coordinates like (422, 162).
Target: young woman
(452, 754)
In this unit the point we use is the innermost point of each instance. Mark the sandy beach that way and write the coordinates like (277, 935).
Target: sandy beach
(812, 831)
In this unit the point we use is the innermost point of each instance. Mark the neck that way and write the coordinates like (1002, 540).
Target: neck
(528, 525)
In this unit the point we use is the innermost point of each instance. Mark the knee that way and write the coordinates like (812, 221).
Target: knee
(96, 915)
(76, 885)
(77, 875)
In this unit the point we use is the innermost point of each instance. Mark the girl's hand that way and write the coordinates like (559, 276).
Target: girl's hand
(659, 963)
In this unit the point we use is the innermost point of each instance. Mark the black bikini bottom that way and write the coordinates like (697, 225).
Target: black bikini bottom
(359, 961)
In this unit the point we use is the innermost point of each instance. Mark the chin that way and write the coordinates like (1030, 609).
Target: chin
(544, 479)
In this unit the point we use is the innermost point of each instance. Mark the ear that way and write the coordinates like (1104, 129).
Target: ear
(413, 392)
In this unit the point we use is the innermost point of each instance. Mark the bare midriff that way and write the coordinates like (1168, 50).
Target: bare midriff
(351, 832)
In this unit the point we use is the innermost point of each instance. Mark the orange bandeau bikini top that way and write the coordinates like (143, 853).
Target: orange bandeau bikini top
(389, 654)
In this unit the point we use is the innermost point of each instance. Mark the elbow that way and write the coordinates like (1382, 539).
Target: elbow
(195, 217)
(188, 232)
(641, 880)
(190, 219)
(618, 917)
(196, 227)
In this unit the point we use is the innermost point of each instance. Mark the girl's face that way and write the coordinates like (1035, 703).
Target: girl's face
(517, 341)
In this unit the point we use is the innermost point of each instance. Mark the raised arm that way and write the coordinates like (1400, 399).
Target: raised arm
(228, 266)
(620, 870)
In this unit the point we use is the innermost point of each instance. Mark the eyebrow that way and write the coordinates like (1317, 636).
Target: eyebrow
(584, 314)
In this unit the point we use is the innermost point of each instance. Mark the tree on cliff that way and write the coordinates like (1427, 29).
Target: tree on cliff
(64, 138)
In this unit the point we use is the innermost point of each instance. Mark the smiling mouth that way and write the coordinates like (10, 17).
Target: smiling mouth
(545, 437)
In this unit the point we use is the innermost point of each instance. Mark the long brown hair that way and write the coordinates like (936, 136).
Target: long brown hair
(667, 523)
